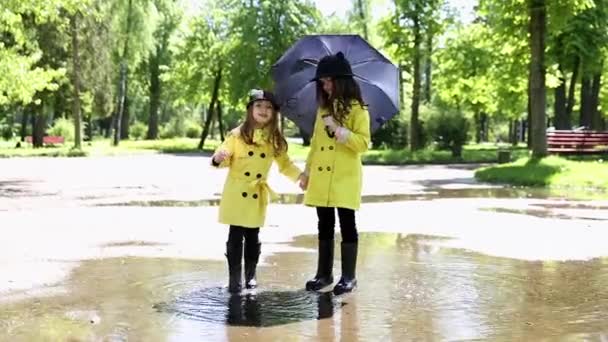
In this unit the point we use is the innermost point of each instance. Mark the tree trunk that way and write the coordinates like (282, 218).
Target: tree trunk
(586, 109)
(126, 117)
(88, 128)
(484, 126)
(537, 78)
(572, 89)
(25, 115)
(76, 84)
(39, 125)
(414, 124)
(213, 122)
(562, 120)
(527, 125)
(428, 68)
(513, 132)
(220, 124)
(214, 96)
(596, 117)
(121, 103)
(478, 128)
(155, 93)
(122, 88)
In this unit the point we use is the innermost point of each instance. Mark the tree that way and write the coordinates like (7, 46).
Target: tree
(159, 58)
(419, 19)
(76, 81)
(134, 24)
(538, 15)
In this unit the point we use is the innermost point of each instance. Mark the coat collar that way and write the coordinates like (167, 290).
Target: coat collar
(260, 135)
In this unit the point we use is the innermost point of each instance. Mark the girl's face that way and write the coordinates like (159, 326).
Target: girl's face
(262, 112)
(328, 85)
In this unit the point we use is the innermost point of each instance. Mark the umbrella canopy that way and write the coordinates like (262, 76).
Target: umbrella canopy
(377, 77)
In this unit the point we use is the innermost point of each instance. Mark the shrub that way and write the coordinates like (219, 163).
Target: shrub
(64, 128)
(193, 129)
(138, 130)
(450, 130)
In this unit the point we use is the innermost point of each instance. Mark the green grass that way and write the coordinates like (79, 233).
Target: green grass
(483, 153)
(103, 147)
(553, 172)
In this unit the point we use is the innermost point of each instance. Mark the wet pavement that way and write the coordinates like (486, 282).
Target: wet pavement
(94, 254)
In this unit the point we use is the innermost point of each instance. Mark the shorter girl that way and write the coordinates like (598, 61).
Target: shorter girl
(249, 151)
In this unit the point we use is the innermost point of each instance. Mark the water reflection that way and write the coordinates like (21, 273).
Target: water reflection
(252, 309)
(411, 287)
(426, 195)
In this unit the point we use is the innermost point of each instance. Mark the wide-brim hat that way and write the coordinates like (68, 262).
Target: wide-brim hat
(262, 95)
(333, 66)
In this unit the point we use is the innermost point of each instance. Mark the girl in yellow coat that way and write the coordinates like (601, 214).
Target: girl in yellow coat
(249, 151)
(333, 168)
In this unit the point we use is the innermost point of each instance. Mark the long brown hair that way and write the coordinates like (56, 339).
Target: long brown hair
(345, 91)
(276, 138)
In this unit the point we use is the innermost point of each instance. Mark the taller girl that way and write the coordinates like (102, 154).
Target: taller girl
(333, 168)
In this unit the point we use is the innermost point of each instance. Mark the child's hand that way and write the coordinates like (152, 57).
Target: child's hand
(220, 156)
(303, 181)
(330, 122)
(342, 134)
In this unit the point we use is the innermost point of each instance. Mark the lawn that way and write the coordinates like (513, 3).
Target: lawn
(552, 172)
(481, 153)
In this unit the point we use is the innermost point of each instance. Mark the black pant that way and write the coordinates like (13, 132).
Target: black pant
(237, 233)
(327, 223)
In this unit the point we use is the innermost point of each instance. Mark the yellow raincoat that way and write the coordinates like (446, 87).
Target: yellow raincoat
(246, 193)
(334, 168)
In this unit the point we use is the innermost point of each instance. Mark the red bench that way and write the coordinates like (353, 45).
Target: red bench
(48, 140)
(577, 142)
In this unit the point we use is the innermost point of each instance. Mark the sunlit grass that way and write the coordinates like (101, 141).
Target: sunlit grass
(552, 171)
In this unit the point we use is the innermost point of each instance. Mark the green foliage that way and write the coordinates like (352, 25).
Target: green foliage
(138, 130)
(193, 129)
(450, 130)
(179, 127)
(264, 30)
(429, 155)
(6, 131)
(64, 128)
(392, 135)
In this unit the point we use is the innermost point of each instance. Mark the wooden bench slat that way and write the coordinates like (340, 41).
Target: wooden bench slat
(567, 141)
(575, 150)
(590, 142)
(49, 139)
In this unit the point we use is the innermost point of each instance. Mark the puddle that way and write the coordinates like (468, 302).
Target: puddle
(254, 309)
(134, 244)
(410, 288)
(427, 195)
(543, 213)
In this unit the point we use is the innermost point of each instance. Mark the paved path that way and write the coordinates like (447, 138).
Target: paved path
(50, 213)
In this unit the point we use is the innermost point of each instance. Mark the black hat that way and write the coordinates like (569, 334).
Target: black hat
(259, 95)
(333, 66)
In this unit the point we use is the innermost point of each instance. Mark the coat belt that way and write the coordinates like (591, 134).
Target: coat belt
(266, 193)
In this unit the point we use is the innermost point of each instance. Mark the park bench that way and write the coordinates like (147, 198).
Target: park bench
(577, 141)
(48, 140)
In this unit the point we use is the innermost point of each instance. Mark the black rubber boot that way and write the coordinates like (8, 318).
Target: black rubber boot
(325, 266)
(347, 282)
(252, 255)
(234, 254)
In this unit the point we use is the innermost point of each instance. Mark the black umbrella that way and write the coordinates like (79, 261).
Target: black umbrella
(377, 77)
